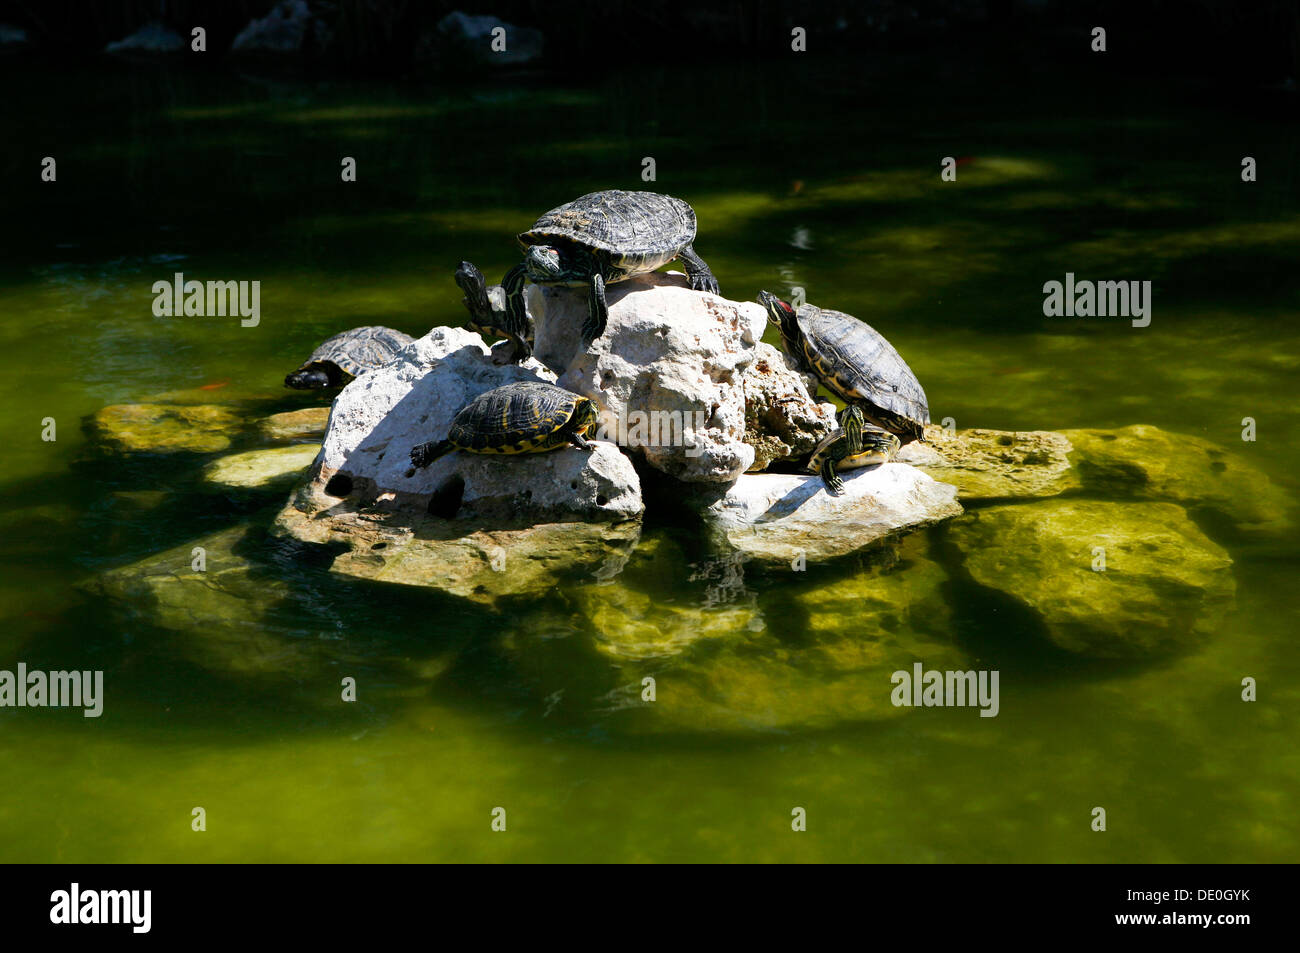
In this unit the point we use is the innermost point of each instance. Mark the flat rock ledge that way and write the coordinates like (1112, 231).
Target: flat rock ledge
(462, 557)
(777, 518)
(995, 464)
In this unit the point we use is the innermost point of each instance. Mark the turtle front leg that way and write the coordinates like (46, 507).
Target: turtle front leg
(516, 317)
(581, 442)
(832, 480)
(470, 280)
(597, 311)
(701, 278)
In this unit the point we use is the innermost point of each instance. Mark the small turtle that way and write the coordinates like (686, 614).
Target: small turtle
(487, 320)
(347, 355)
(854, 362)
(600, 238)
(525, 417)
(854, 444)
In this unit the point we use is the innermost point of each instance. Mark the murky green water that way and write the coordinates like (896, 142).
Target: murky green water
(822, 181)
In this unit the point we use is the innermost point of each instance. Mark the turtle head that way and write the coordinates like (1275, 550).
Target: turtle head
(585, 415)
(542, 263)
(314, 377)
(781, 312)
(851, 421)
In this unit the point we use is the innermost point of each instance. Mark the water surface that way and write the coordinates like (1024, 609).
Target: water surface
(824, 181)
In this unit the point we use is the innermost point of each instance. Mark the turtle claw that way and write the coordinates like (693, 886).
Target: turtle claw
(705, 282)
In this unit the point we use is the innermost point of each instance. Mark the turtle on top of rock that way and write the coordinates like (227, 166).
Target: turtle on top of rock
(597, 239)
(854, 362)
(346, 356)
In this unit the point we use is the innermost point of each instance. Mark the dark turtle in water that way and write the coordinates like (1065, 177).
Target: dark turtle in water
(347, 355)
(854, 444)
(600, 238)
(497, 322)
(527, 417)
(854, 362)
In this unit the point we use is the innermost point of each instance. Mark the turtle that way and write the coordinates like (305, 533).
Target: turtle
(347, 355)
(489, 320)
(524, 417)
(854, 362)
(854, 444)
(603, 237)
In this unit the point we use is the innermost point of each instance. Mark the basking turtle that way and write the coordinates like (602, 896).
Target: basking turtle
(347, 355)
(854, 444)
(604, 237)
(855, 362)
(525, 417)
(487, 320)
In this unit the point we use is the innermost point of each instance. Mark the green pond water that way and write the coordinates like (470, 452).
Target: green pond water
(827, 180)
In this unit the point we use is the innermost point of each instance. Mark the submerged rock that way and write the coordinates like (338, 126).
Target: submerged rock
(776, 518)
(239, 618)
(309, 422)
(164, 428)
(152, 38)
(995, 464)
(630, 624)
(225, 612)
(1148, 463)
(261, 468)
(856, 632)
(782, 419)
(666, 373)
(657, 610)
(1165, 586)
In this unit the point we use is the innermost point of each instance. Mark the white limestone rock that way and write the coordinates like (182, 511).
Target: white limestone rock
(666, 373)
(782, 419)
(377, 419)
(776, 518)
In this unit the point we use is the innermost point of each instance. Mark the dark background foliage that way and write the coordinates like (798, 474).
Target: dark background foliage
(1238, 42)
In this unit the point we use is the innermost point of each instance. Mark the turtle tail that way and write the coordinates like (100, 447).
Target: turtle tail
(426, 453)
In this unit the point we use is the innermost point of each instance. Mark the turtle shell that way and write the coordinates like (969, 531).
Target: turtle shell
(855, 362)
(513, 418)
(636, 231)
(360, 349)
